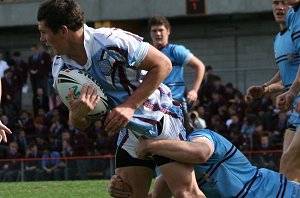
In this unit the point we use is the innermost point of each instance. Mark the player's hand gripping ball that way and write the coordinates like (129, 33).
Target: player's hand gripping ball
(74, 79)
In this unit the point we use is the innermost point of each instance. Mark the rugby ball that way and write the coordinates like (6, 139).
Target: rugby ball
(68, 79)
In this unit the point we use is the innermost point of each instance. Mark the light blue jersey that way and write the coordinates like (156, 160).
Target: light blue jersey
(292, 21)
(114, 57)
(287, 60)
(293, 57)
(179, 57)
(228, 173)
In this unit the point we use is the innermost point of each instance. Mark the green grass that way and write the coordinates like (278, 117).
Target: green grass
(55, 189)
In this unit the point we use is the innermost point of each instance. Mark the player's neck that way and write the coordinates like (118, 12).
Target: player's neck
(80, 58)
(160, 46)
(282, 26)
(76, 47)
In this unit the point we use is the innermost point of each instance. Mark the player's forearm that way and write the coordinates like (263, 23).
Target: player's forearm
(181, 151)
(275, 79)
(276, 87)
(295, 88)
(199, 68)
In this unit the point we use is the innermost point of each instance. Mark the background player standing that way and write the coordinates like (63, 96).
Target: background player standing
(290, 162)
(180, 57)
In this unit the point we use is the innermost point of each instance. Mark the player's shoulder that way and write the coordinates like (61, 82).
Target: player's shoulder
(289, 17)
(112, 33)
(178, 50)
(105, 33)
(116, 36)
(176, 46)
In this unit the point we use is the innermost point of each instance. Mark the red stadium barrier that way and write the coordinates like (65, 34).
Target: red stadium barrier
(104, 164)
(60, 158)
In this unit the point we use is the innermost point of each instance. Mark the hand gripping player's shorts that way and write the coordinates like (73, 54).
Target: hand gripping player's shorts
(171, 129)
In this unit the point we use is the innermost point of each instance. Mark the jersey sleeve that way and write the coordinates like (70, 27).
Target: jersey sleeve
(295, 29)
(181, 54)
(202, 133)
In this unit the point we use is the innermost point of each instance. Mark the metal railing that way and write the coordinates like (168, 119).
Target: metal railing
(101, 166)
(62, 168)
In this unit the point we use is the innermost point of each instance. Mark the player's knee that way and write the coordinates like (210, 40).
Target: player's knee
(289, 164)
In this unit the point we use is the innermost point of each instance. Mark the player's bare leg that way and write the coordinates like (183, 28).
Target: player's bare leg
(288, 137)
(160, 189)
(290, 160)
(182, 184)
(138, 177)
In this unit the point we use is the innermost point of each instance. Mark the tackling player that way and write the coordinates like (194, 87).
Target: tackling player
(221, 169)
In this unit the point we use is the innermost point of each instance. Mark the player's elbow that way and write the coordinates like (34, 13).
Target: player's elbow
(201, 155)
(297, 79)
(202, 158)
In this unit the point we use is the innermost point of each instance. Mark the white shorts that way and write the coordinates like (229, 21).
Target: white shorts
(173, 129)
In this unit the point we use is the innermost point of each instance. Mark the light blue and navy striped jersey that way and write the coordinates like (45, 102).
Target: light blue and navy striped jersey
(228, 173)
(179, 57)
(287, 57)
(293, 23)
(114, 57)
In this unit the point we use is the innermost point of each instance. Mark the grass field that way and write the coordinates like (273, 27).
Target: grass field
(55, 189)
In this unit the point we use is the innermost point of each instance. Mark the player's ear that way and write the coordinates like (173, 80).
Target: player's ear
(168, 31)
(64, 30)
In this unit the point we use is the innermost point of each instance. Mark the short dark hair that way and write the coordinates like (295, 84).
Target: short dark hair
(56, 13)
(159, 20)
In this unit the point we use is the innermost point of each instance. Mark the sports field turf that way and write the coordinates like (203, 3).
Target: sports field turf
(55, 189)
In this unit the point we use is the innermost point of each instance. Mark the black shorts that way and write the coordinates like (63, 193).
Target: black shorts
(292, 127)
(123, 159)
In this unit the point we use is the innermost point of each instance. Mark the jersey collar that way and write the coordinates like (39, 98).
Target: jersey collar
(283, 31)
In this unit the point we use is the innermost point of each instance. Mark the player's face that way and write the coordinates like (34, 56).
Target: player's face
(159, 35)
(280, 8)
(54, 40)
